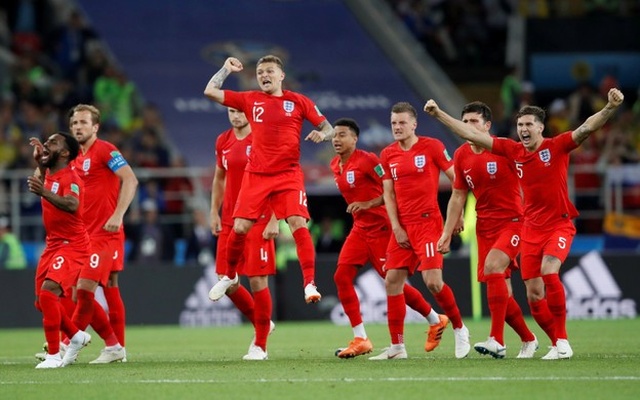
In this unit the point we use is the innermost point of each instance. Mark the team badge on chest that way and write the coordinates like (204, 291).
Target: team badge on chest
(248, 150)
(54, 187)
(492, 167)
(289, 106)
(86, 165)
(351, 177)
(420, 161)
(545, 155)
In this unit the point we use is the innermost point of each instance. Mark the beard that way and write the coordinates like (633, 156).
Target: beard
(53, 160)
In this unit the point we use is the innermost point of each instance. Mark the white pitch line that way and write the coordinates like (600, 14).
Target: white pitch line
(345, 380)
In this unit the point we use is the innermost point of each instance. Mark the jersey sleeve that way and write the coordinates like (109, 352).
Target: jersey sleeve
(458, 181)
(71, 186)
(373, 167)
(384, 161)
(218, 151)
(441, 156)
(235, 100)
(112, 157)
(312, 112)
(503, 147)
(565, 141)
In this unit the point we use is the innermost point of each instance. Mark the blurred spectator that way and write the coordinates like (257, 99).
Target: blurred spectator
(10, 136)
(558, 121)
(11, 252)
(177, 191)
(117, 98)
(150, 151)
(151, 242)
(68, 46)
(200, 242)
(510, 91)
(329, 235)
(582, 103)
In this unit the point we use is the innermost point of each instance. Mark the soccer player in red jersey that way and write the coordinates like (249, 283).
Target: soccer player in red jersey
(110, 185)
(66, 245)
(493, 181)
(273, 174)
(548, 230)
(358, 175)
(258, 260)
(412, 172)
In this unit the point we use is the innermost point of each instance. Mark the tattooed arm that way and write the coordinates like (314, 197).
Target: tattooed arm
(597, 120)
(213, 91)
(323, 133)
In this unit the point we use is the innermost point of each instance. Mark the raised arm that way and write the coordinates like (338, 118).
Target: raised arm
(212, 90)
(597, 120)
(465, 131)
(323, 133)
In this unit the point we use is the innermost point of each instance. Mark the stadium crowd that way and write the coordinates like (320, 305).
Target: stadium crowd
(52, 59)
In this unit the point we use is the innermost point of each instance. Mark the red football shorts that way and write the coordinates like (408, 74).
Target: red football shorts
(101, 259)
(423, 253)
(536, 244)
(284, 192)
(118, 254)
(500, 235)
(259, 257)
(60, 264)
(363, 246)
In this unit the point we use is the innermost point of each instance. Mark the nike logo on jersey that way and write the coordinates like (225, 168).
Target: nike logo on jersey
(393, 164)
(258, 103)
(225, 151)
(466, 171)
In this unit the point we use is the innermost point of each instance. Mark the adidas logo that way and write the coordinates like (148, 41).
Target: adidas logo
(592, 291)
(373, 302)
(200, 311)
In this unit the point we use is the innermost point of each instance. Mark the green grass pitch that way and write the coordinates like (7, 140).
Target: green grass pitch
(167, 362)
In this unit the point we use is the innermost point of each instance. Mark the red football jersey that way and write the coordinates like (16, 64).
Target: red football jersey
(232, 155)
(361, 180)
(62, 225)
(97, 169)
(543, 177)
(416, 173)
(276, 124)
(493, 181)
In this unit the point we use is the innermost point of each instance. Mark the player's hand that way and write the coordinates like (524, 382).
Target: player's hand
(232, 64)
(402, 238)
(215, 225)
(37, 148)
(35, 185)
(615, 97)
(113, 224)
(444, 244)
(459, 226)
(316, 136)
(431, 107)
(357, 206)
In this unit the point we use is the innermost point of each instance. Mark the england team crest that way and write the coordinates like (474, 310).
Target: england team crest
(86, 165)
(248, 150)
(545, 155)
(54, 187)
(288, 106)
(351, 177)
(420, 161)
(492, 167)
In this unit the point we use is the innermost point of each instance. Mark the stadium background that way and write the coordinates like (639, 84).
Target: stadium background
(355, 59)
